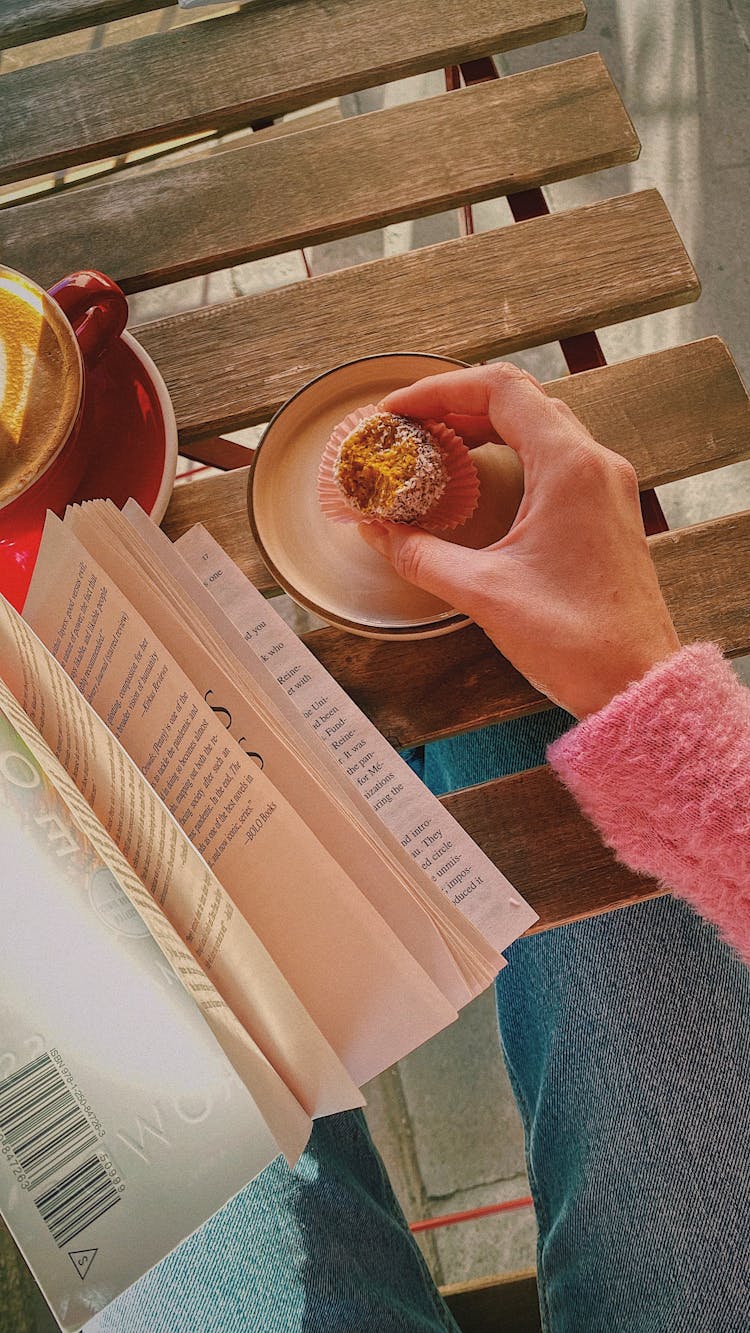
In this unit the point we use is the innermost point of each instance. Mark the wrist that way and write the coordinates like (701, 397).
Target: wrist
(615, 675)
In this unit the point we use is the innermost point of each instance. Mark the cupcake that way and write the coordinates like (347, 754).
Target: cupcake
(389, 467)
(380, 466)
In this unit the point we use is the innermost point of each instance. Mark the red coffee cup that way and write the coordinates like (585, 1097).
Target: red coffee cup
(48, 343)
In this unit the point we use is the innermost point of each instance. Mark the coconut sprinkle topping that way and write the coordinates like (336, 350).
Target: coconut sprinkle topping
(391, 467)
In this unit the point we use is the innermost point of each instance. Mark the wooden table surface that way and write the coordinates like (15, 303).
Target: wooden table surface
(276, 184)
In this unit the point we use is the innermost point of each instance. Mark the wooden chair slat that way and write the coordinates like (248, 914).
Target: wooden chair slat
(23, 21)
(245, 203)
(328, 114)
(262, 61)
(565, 877)
(673, 414)
(199, 146)
(233, 365)
(488, 1304)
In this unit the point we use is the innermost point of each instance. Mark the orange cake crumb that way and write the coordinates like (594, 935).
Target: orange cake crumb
(391, 467)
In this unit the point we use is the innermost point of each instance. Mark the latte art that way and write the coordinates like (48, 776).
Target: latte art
(40, 382)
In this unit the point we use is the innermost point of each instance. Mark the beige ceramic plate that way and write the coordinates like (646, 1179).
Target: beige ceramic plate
(325, 566)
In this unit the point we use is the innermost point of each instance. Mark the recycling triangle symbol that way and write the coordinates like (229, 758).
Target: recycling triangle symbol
(82, 1261)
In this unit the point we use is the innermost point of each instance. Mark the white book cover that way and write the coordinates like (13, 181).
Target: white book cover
(123, 1126)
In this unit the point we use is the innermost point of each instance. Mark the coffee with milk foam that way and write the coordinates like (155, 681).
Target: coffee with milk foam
(40, 382)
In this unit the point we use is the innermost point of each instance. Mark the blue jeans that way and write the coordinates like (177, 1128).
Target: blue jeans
(628, 1046)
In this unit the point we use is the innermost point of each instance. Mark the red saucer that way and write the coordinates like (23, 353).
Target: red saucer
(129, 415)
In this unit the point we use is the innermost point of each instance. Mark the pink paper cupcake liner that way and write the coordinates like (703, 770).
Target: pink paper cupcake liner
(456, 504)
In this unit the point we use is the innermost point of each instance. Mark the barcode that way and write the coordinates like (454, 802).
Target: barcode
(72, 1204)
(42, 1125)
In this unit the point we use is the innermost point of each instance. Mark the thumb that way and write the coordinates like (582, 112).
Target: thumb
(450, 572)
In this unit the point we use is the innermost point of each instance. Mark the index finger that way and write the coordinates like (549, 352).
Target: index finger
(516, 405)
(464, 392)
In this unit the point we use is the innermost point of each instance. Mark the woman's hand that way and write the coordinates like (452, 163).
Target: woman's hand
(569, 595)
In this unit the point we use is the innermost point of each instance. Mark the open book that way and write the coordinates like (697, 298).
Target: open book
(259, 849)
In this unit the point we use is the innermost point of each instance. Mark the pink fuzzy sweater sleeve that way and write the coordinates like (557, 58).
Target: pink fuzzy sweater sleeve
(663, 771)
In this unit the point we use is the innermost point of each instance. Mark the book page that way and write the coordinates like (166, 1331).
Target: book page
(365, 992)
(478, 960)
(424, 828)
(146, 566)
(227, 953)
